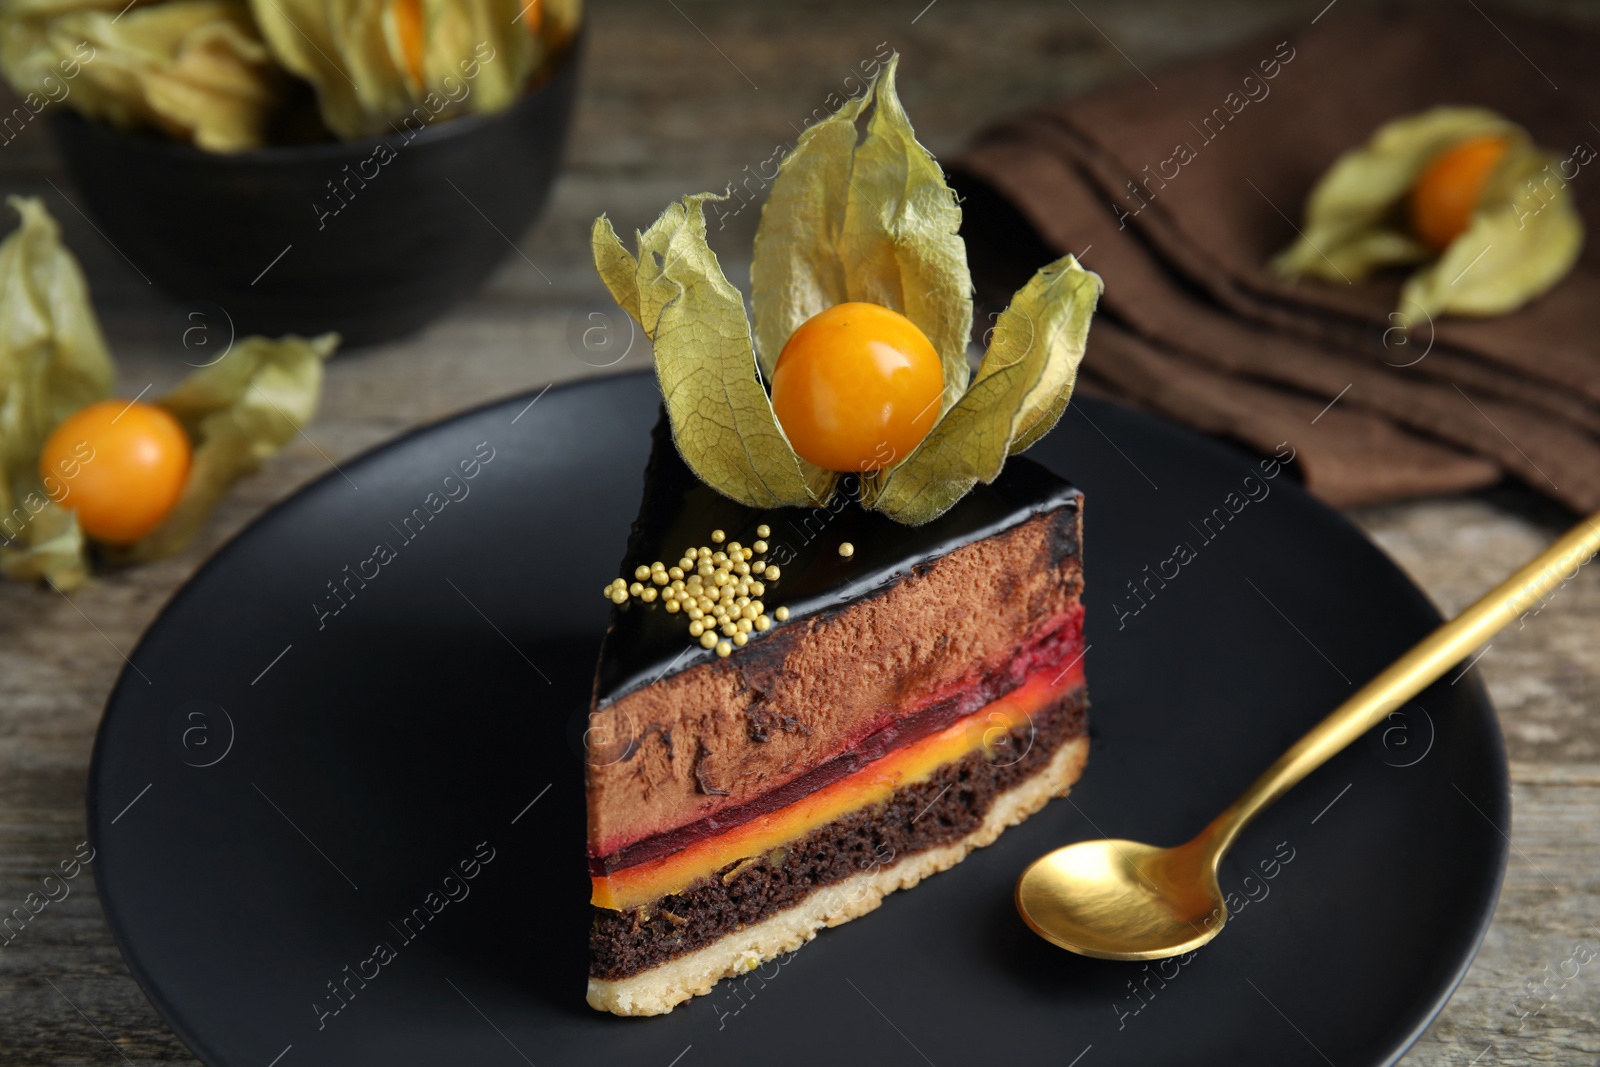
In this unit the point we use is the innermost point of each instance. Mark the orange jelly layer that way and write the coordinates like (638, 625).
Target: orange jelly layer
(873, 784)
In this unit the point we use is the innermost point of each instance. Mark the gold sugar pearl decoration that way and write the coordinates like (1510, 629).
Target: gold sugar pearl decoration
(718, 590)
(847, 550)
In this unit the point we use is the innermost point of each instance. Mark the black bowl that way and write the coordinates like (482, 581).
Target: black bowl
(371, 238)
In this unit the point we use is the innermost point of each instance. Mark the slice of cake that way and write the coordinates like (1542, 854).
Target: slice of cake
(847, 644)
(881, 700)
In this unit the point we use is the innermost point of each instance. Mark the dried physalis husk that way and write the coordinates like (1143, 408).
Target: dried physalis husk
(1021, 388)
(195, 69)
(30, 61)
(476, 32)
(722, 421)
(51, 8)
(357, 54)
(53, 361)
(385, 65)
(237, 411)
(1523, 237)
(858, 212)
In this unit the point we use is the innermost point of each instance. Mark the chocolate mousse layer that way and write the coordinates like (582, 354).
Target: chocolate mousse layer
(679, 735)
(946, 807)
(1056, 652)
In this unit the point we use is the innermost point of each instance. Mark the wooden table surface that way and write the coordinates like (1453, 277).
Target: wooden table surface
(678, 96)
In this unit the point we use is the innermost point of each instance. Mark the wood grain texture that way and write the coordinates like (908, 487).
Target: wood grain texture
(681, 97)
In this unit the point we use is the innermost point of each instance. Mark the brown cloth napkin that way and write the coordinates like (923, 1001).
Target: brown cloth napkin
(1179, 194)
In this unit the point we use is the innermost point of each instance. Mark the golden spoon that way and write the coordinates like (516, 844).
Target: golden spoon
(1124, 900)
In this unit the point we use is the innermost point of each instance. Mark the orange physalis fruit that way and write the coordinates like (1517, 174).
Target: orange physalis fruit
(408, 30)
(120, 466)
(857, 388)
(1447, 193)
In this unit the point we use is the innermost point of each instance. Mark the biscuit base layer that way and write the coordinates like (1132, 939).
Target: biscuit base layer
(660, 989)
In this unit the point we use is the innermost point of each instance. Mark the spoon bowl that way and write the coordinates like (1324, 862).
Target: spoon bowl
(1123, 900)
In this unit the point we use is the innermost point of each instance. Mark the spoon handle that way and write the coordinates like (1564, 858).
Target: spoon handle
(1411, 674)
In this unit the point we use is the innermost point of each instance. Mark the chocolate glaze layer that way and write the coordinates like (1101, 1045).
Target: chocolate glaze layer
(645, 643)
(946, 807)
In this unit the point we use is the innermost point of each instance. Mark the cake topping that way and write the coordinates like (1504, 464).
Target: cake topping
(860, 227)
(847, 550)
(719, 591)
(649, 642)
(857, 387)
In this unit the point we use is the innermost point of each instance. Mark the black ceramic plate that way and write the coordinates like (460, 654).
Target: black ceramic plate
(285, 780)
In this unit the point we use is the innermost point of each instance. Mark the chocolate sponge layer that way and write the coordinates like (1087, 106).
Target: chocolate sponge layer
(723, 732)
(945, 808)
